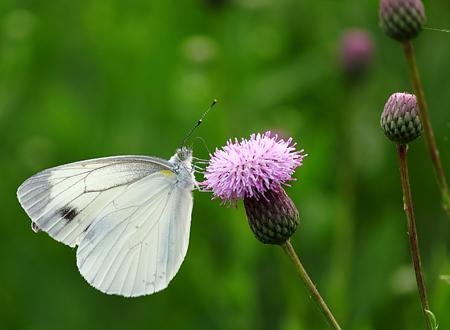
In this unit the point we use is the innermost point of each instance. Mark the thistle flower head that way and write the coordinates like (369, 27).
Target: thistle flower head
(402, 20)
(400, 119)
(356, 52)
(249, 168)
(255, 170)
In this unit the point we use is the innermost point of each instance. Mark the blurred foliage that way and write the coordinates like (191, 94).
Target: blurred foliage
(84, 79)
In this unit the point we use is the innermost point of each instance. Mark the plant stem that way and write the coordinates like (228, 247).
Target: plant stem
(288, 248)
(412, 231)
(428, 129)
(339, 286)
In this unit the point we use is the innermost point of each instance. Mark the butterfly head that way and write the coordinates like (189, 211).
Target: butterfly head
(182, 156)
(182, 166)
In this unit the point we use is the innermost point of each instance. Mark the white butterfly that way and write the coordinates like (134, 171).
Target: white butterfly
(129, 216)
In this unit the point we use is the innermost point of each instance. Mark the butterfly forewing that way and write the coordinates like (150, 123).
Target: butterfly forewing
(128, 215)
(67, 197)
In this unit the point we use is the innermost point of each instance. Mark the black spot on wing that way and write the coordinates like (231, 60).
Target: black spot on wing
(35, 227)
(68, 213)
(87, 228)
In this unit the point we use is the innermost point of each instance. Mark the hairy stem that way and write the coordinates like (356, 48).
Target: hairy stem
(412, 231)
(288, 248)
(428, 129)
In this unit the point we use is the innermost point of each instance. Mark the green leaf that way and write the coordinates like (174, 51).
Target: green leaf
(432, 319)
(445, 278)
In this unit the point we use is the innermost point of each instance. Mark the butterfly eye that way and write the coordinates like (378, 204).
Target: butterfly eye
(184, 153)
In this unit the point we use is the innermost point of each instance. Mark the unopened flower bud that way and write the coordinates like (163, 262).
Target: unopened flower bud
(402, 19)
(400, 119)
(356, 52)
(273, 218)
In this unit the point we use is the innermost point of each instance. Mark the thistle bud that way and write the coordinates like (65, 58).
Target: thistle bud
(273, 218)
(356, 53)
(400, 119)
(402, 20)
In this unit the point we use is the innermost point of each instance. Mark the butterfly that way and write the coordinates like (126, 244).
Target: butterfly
(129, 216)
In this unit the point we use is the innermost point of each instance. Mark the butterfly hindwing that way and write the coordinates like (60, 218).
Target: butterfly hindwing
(137, 250)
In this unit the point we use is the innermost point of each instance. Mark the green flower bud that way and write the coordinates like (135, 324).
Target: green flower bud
(273, 218)
(402, 20)
(400, 119)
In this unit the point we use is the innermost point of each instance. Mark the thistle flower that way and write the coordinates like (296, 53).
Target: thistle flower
(400, 119)
(255, 170)
(356, 52)
(402, 20)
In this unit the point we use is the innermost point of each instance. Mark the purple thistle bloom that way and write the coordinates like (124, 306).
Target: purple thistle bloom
(250, 168)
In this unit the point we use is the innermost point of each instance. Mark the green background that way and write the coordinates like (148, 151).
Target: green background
(90, 78)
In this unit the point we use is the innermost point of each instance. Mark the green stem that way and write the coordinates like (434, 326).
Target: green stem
(339, 286)
(428, 129)
(288, 248)
(412, 231)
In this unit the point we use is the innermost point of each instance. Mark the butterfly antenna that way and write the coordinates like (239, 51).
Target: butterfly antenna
(204, 143)
(199, 122)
